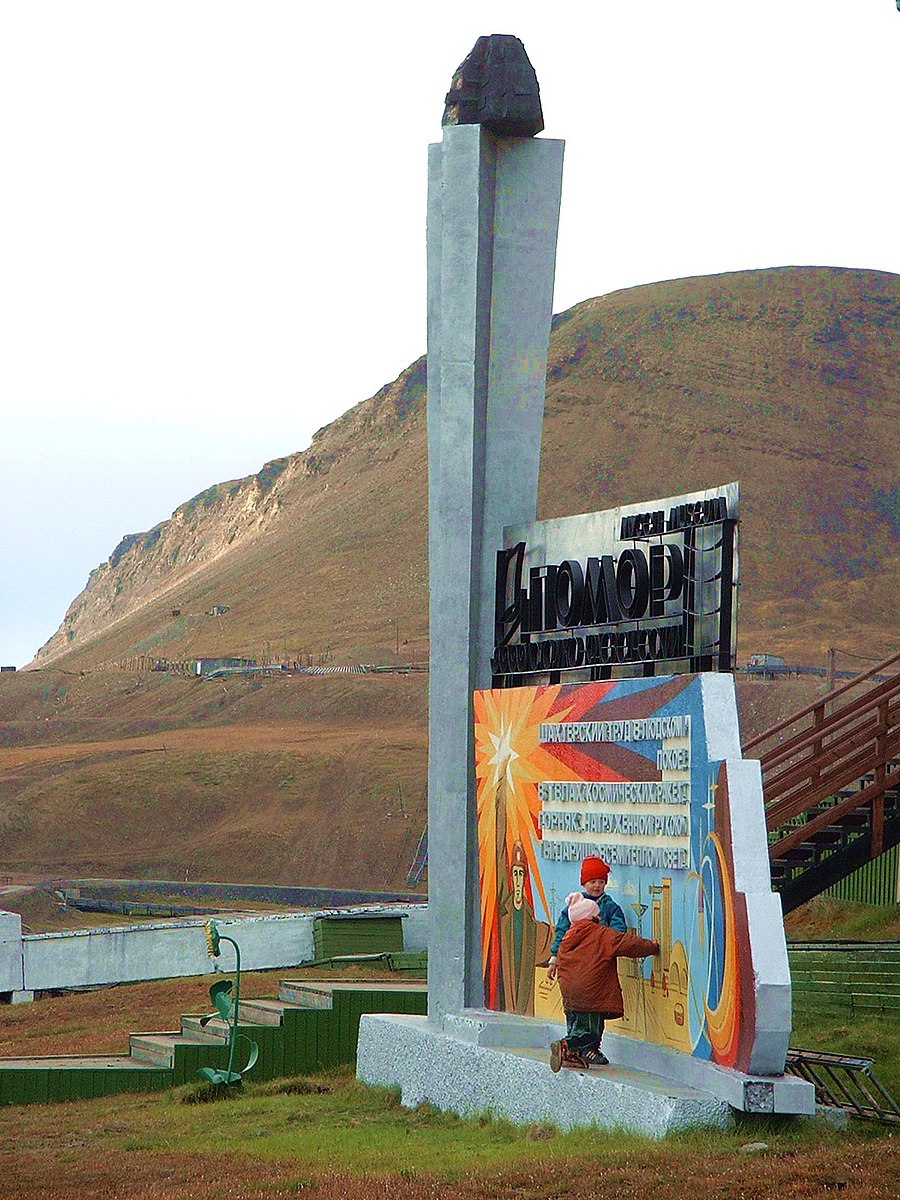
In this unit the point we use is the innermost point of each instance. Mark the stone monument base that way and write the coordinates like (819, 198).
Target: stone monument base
(481, 1061)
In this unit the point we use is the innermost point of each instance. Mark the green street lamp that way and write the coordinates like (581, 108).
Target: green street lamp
(228, 1009)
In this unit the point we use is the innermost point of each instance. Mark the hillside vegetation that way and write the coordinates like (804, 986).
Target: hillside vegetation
(783, 379)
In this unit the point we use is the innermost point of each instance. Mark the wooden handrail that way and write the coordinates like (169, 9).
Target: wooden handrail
(822, 820)
(860, 737)
(803, 798)
(831, 724)
(893, 659)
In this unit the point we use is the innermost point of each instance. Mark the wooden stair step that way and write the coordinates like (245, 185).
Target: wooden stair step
(798, 854)
(305, 995)
(829, 836)
(157, 1049)
(78, 1062)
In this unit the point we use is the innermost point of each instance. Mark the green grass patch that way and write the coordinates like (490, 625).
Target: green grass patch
(826, 919)
(861, 1034)
(332, 1122)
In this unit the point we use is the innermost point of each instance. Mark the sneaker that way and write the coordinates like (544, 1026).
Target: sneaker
(595, 1058)
(575, 1060)
(557, 1054)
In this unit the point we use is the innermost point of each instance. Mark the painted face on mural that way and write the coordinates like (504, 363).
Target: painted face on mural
(518, 882)
(595, 887)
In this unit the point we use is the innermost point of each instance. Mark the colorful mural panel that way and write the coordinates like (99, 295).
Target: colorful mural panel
(619, 769)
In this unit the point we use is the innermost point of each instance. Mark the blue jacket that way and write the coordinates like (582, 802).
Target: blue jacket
(610, 914)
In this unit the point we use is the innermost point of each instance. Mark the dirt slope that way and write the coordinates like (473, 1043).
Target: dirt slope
(781, 379)
(298, 780)
(294, 780)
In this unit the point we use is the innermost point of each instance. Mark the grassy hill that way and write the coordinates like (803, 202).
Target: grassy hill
(783, 379)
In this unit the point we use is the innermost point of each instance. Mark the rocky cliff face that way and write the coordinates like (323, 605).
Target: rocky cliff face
(147, 566)
(164, 565)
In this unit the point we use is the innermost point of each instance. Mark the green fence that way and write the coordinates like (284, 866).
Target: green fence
(875, 883)
(852, 978)
(351, 934)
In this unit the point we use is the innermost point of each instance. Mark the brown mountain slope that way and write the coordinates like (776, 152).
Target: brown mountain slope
(288, 779)
(784, 379)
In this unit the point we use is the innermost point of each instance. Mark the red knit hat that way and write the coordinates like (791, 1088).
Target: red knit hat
(593, 867)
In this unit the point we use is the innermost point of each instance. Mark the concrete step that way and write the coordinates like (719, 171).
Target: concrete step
(305, 995)
(157, 1049)
(81, 1062)
(214, 1032)
(264, 1012)
(317, 993)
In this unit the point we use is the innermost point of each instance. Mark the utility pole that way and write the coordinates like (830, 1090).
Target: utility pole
(830, 668)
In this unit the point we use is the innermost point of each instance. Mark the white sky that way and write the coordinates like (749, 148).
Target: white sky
(212, 216)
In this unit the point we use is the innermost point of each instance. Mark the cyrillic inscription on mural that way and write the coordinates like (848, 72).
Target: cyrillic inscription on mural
(638, 823)
(618, 768)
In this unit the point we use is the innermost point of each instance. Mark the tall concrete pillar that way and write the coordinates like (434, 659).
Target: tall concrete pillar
(493, 213)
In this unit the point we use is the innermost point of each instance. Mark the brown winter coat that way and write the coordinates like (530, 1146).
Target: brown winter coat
(586, 963)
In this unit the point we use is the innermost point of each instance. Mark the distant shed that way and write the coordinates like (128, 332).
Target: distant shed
(359, 933)
(207, 666)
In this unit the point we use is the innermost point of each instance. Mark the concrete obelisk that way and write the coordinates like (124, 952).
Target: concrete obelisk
(493, 213)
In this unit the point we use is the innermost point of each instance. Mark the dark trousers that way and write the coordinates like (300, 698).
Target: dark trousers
(584, 1030)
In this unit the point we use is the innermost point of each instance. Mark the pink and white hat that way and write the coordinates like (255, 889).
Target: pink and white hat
(581, 908)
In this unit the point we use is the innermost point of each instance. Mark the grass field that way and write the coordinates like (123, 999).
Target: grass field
(329, 1137)
(826, 919)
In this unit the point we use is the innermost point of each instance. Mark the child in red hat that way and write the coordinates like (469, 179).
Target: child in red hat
(594, 874)
(589, 981)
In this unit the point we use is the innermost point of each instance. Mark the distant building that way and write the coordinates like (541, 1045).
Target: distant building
(208, 666)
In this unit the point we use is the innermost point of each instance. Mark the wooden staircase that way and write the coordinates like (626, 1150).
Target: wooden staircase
(831, 783)
(312, 1025)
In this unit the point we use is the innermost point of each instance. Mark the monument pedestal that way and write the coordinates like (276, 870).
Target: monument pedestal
(478, 1061)
(539, 754)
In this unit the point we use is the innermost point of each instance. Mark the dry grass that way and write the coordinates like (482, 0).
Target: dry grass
(347, 1140)
(316, 782)
(329, 1137)
(239, 799)
(99, 1021)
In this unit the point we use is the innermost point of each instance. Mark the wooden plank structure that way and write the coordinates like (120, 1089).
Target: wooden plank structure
(831, 781)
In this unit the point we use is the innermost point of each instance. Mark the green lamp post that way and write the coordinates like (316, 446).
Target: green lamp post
(228, 1009)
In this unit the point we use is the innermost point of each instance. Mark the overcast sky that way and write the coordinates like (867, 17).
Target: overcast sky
(212, 216)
